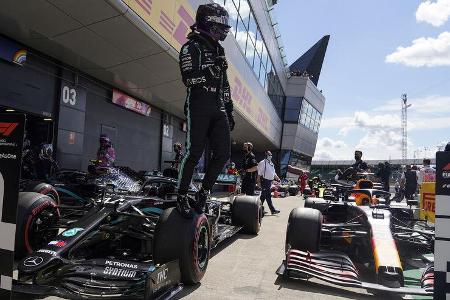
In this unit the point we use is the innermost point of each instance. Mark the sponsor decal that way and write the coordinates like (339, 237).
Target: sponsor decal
(52, 253)
(57, 243)
(72, 231)
(196, 80)
(7, 128)
(429, 202)
(446, 171)
(119, 272)
(446, 186)
(8, 156)
(4, 142)
(33, 261)
(162, 275)
(121, 264)
(217, 19)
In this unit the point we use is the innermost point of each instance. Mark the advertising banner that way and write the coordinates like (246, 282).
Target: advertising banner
(130, 103)
(427, 201)
(11, 141)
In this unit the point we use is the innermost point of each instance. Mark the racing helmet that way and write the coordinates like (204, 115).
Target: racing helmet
(213, 19)
(104, 140)
(177, 147)
(46, 150)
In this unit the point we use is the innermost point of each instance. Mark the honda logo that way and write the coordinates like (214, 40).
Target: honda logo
(33, 261)
(7, 128)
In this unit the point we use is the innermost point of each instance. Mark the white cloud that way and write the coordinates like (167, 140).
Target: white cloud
(434, 13)
(424, 51)
(323, 155)
(327, 142)
(330, 149)
(424, 105)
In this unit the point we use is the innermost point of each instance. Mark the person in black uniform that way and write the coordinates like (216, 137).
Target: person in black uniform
(208, 107)
(250, 170)
(359, 165)
(409, 182)
(177, 148)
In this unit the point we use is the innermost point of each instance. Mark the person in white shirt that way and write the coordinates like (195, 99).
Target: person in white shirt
(426, 173)
(266, 174)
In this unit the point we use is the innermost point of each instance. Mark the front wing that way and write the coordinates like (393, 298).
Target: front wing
(335, 268)
(111, 279)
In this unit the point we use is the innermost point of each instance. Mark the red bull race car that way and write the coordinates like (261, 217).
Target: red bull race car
(355, 232)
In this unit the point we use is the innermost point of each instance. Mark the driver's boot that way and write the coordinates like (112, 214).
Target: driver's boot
(200, 200)
(183, 206)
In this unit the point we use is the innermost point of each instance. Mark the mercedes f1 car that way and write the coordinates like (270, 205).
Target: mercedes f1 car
(125, 246)
(335, 238)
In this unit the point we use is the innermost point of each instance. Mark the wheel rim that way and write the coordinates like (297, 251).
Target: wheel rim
(203, 247)
(39, 236)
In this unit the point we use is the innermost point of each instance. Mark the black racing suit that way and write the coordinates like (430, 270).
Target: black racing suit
(208, 108)
(249, 180)
(360, 166)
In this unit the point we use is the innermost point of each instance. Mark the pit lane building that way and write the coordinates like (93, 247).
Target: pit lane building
(80, 68)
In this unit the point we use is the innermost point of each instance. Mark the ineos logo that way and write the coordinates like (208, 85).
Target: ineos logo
(33, 261)
(69, 95)
(162, 276)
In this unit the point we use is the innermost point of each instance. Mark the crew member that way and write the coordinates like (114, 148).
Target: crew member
(426, 173)
(303, 180)
(208, 107)
(386, 175)
(266, 174)
(409, 182)
(359, 165)
(177, 148)
(106, 155)
(45, 164)
(232, 171)
(250, 170)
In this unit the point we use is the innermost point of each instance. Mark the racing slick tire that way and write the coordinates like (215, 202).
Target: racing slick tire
(293, 190)
(316, 203)
(46, 189)
(247, 212)
(34, 210)
(185, 240)
(304, 229)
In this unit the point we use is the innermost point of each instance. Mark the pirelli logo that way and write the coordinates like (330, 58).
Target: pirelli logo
(7, 128)
(429, 201)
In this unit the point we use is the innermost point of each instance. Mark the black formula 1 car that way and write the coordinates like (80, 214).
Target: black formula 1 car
(336, 240)
(71, 194)
(128, 246)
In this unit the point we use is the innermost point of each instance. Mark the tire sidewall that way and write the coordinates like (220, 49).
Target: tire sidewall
(25, 217)
(201, 223)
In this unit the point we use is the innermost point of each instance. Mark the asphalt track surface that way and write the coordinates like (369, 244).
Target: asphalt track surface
(244, 266)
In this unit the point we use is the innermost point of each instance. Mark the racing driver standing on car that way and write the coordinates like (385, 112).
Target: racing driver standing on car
(208, 107)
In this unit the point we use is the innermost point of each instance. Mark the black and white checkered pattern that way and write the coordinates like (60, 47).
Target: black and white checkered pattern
(442, 226)
(10, 164)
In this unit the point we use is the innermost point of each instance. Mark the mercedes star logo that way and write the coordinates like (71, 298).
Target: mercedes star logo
(33, 261)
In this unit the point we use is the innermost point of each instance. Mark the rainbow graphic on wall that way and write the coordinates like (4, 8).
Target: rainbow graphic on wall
(20, 57)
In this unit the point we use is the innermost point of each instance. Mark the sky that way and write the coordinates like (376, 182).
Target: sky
(378, 50)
